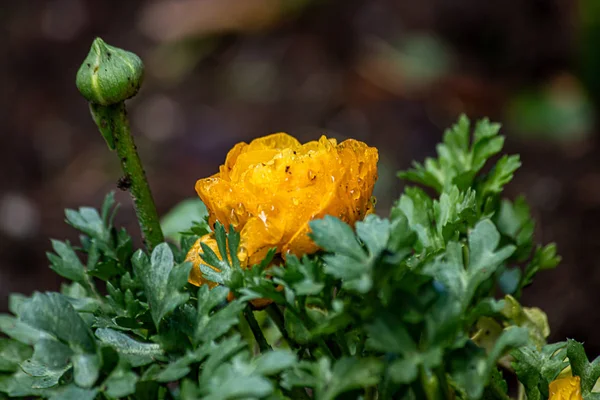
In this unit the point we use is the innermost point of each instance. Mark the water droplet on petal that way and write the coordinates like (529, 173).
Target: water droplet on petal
(295, 201)
(233, 218)
(263, 217)
(311, 174)
(242, 254)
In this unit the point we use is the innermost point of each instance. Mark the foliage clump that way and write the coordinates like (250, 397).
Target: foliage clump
(403, 307)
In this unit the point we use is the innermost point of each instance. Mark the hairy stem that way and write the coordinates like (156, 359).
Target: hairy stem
(114, 125)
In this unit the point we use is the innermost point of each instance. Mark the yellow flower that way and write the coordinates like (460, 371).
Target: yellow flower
(271, 188)
(566, 389)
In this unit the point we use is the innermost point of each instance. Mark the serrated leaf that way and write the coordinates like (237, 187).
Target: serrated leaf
(211, 325)
(374, 232)
(20, 384)
(20, 331)
(589, 372)
(536, 369)
(162, 280)
(121, 382)
(135, 352)
(335, 236)
(501, 174)
(471, 367)
(453, 208)
(459, 158)
(65, 262)
(52, 312)
(346, 259)
(44, 376)
(88, 221)
(484, 258)
(73, 392)
(417, 207)
(544, 258)
(273, 362)
(348, 373)
(12, 353)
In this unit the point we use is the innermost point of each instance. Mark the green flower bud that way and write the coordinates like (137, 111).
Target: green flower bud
(109, 75)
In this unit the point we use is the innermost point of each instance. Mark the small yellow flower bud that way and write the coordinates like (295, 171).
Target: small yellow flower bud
(109, 75)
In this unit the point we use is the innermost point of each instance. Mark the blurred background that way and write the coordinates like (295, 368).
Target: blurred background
(391, 73)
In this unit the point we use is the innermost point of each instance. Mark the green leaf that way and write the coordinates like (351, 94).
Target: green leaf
(211, 325)
(121, 382)
(52, 312)
(497, 388)
(12, 353)
(304, 277)
(388, 335)
(402, 237)
(134, 352)
(273, 362)
(484, 259)
(471, 368)
(20, 384)
(544, 258)
(73, 392)
(335, 236)
(162, 280)
(245, 377)
(347, 260)
(536, 369)
(348, 373)
(459, 158)
(374, 232)
(418, 209)
(88, 221)
(501, 174)
(454, 208)
(65, 262)
(531, 318)
(86, 369)
(514, 221)
(45, 376)
(588, 372)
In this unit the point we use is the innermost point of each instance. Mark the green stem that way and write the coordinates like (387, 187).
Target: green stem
(256, 331)
(276, 316)
(114, 125)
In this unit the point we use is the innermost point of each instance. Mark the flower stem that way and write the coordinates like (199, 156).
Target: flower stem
(114, 125)
(256, 331)
(276, 316)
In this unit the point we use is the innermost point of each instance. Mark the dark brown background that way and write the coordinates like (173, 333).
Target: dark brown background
(391, 73)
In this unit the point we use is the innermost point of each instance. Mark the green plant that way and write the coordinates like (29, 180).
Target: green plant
(402, 307)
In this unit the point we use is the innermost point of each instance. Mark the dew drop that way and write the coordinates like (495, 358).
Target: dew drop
(242, 254)
(233, 217)
(311, 174)
(263, 217)
(295, 201)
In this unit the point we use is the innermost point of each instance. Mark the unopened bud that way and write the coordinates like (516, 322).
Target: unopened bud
(109, 75)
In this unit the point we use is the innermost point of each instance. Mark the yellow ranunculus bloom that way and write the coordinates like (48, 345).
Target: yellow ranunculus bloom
(271, 188)
(566, 389)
